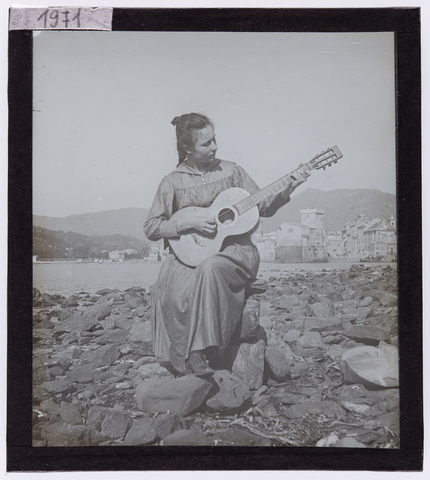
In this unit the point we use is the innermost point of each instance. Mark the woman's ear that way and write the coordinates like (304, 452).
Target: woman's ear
(186, 149)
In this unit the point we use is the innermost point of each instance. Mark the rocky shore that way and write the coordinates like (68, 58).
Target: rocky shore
(315, 364)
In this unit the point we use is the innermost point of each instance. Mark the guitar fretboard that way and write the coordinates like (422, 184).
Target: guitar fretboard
(324, 159)
(272, 189)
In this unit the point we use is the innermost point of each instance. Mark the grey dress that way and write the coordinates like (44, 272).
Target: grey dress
(197, 308)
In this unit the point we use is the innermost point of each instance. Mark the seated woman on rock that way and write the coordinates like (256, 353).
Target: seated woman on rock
(197, 308)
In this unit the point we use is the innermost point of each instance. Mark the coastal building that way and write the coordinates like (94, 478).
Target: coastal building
(154, 254)
(367, 239)
(308, 241)
(335, 244)
(265, 243)
(117, 256)
(304, 242)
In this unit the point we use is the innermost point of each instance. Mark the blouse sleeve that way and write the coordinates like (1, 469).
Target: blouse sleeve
(158, 224)
(267, 207)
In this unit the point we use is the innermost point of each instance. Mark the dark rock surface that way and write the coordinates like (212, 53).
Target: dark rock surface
(96, 381)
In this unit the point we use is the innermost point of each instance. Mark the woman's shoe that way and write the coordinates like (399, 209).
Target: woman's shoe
(198, 364)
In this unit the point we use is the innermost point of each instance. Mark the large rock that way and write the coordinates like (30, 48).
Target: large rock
(248, 363)
(141, 433)
(166, 423)
(96, 415)
(187, 437)
(115, 424)
(181, 395)
(323, 308)
(367, 334)
(115, 336)
(67, 435)
(250, 323)
(81, 375)
(278, 361)
(310, 340)
(148, 370)
(57, 386)
(99, 310)
(141, 332)
(102, 356)
(233, 392)
(389, 300)
(76, 324)
(70, 414)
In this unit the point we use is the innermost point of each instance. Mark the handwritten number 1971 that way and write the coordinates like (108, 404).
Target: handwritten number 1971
(58, 17)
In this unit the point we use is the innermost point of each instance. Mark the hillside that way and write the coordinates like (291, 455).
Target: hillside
(59, 244)
(125, 221)
(340, 206)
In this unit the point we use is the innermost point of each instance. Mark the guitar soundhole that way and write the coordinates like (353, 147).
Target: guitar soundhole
(226, 216)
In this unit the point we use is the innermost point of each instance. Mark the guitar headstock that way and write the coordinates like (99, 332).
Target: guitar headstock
(326, 158)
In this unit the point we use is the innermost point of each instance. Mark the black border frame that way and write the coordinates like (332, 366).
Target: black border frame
(21, 456)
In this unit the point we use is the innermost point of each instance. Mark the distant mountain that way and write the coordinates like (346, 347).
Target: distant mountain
(125, 221)
(340, 206)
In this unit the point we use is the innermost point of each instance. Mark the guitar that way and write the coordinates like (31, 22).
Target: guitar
(235, 211)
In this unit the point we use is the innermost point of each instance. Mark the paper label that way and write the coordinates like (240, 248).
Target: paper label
(60, 18)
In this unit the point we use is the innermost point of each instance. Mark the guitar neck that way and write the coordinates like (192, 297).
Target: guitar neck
(272, 189)
(323, 160)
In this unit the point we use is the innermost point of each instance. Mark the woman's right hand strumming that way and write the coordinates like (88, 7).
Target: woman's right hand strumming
(202, 223)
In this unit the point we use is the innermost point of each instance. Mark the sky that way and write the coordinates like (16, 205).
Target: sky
(103, 102)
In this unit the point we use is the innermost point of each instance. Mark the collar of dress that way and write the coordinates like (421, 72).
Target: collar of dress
(185, 168)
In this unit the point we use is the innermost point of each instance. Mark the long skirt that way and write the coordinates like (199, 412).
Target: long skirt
(197, 308)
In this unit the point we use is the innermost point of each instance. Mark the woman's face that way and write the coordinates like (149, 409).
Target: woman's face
(204, 150)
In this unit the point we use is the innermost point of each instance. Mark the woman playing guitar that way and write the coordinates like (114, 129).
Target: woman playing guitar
(195, 308)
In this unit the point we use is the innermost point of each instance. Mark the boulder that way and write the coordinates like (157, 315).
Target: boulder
(248, 363)
(67, 435)
(310, 340)
(366, 302)
(187, 437)
(70, 414)
(166, 423)
(323, 308)
(250, 322)
(141, 433)
(278, 362)
(115, 336)
(81, 375)
(148, 370)
(102, 356)
(233, 392)
(76, 324)
(141, 332)
(349, 442)
(292, 336)
(115, 424)
(55, 387)
(180, 395)
(389, 300)
(96, 415)
(50, 407)
(368, 334)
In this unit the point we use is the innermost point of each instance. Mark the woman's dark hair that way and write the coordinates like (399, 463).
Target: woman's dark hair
(186, 131)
